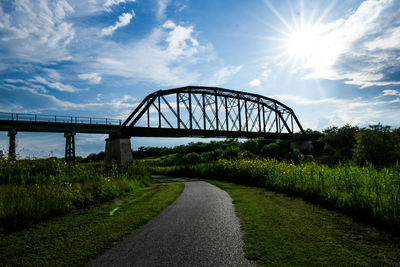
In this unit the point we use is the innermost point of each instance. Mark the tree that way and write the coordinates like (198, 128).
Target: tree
(377, 145)
(280, 149)
(191, 158)
(338, 144)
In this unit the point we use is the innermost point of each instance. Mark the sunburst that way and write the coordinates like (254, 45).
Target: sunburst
(303, 39)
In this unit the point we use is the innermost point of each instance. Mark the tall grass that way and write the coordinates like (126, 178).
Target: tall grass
(363, 192)
(35, 190)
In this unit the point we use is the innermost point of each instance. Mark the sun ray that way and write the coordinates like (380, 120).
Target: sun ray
(301, 13)
(326, 11)
(279, 16)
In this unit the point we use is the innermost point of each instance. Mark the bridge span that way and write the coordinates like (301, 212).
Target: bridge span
(191, 111)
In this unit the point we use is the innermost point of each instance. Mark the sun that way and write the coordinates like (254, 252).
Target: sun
(302, 43)
(303, 38)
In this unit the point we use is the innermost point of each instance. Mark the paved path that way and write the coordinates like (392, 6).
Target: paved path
(199, 229)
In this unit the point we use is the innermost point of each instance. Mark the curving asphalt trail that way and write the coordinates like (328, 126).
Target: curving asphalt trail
(199, 229)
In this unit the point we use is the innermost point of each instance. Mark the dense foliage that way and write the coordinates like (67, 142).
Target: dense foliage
(377, 145)
(35, 190)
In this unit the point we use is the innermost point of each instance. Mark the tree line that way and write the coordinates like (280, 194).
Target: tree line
(377, 145)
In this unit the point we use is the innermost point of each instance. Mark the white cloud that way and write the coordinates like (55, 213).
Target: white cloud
(361, 49)
(85, 139)
(110, 3)
(123, 21)
(222, 75)
(391, 92)
(180, 40)
(54, 84)
(390, 41)
(162, 6)
(162, 57)
(266, 73)
(255, 82)
(93, 78)
(35, 31)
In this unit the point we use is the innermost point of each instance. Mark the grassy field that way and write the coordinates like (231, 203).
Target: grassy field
(366, 193)
(73, 239)
(32, 191)
(287, 231)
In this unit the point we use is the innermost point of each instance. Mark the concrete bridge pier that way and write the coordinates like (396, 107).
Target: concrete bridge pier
(11, 147)
(118, 150)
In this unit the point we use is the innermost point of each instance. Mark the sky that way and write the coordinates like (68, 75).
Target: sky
(332, 62)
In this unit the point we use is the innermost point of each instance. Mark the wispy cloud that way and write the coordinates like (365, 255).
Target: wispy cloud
(38, 83)
(123, 21)
(33, 31)
(54, 84)
(223, 74)
(161, 7)
(390, 92)
(265, 74)
(340, 111)
(350, 103)
(93, 78)
(26, 99)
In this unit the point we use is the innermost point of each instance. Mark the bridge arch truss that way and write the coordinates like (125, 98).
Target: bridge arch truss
(212, 112)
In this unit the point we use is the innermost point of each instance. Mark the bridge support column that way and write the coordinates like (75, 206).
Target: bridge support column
(11, 147)
(69, 147)
(302, 146)
(118, 151)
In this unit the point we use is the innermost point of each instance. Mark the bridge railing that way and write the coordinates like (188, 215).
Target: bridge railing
(26, 117)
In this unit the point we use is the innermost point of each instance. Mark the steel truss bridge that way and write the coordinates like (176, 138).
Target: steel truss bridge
(191, 111)
(212, 112)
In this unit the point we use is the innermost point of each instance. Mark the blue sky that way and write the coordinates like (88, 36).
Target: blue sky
(333, 62)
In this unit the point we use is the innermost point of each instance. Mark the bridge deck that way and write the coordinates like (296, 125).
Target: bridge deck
(58, 124)
(58, 127)
(62, 124)
(61, 127)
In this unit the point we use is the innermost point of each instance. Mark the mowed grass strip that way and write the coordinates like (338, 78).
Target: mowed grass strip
(286, 231)
(74, 239)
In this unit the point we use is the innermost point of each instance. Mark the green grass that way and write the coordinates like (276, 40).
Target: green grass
(285, 231)
(74, 239)
(32, 191)
(366, 193)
